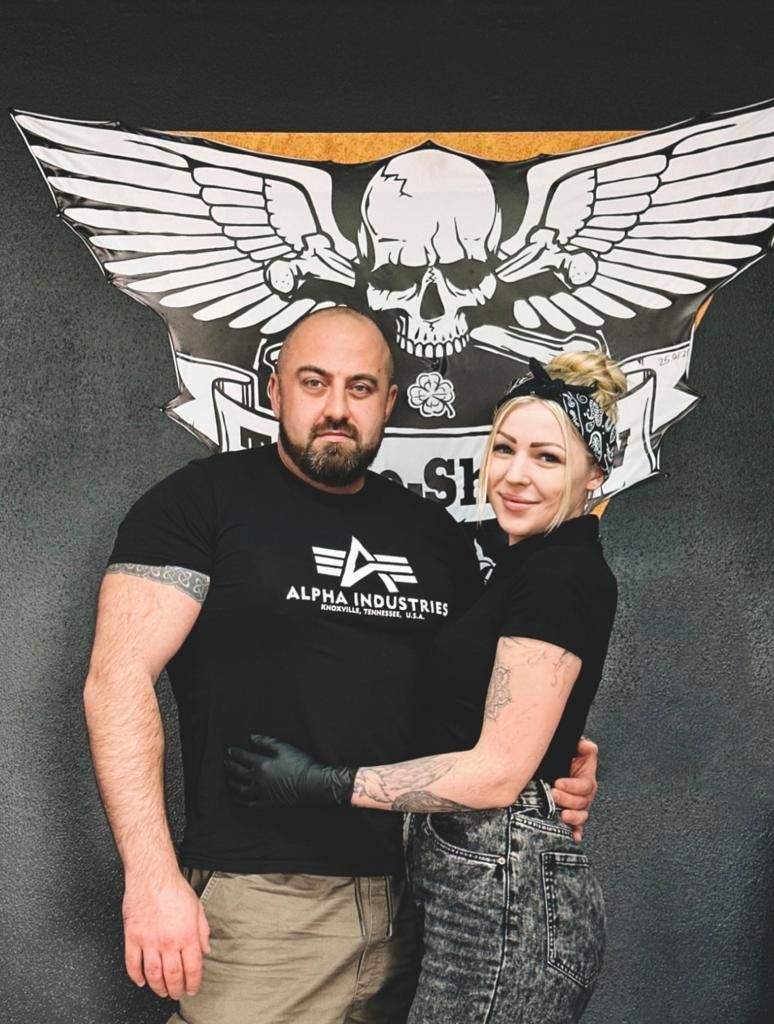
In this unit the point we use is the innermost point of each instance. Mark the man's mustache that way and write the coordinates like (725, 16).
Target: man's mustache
(340, 426)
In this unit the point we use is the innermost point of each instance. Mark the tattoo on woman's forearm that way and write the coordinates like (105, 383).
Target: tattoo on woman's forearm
(422, 801)
(195, 584)
(385, 784)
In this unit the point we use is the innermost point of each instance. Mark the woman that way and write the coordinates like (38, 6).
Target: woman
(513, 917)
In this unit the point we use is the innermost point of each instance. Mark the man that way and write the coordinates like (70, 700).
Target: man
(323, 585)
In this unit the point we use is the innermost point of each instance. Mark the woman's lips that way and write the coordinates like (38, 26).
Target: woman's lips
(516, 504)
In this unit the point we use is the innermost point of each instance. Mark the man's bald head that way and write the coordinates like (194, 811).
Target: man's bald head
(332, 393)
(325, 321)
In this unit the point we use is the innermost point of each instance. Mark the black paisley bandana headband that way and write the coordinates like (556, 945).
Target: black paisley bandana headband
(593, 424)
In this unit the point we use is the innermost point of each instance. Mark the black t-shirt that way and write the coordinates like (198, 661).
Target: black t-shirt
(319, 613)
(554, 587)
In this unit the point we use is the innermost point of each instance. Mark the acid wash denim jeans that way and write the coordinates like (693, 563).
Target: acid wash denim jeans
(512, 917)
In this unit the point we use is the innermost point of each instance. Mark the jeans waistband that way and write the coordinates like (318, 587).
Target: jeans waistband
(536, 793)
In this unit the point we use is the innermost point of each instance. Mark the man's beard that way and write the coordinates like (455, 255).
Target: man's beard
(334, 465)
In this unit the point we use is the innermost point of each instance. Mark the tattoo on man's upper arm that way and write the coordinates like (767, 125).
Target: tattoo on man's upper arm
(195, 584)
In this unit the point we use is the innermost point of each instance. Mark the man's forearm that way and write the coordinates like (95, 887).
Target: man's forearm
(127, 747)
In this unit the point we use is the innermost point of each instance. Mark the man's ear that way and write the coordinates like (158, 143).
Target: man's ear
(274, 394)
(392, 394)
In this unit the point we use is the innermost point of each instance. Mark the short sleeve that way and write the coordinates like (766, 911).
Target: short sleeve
(552, 600)
(466, 571)
(171, 524)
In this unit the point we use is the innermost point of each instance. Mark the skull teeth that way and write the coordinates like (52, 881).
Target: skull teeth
(432, 350)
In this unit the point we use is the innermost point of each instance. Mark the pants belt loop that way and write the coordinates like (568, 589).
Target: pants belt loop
(388, 898)
(359, 905)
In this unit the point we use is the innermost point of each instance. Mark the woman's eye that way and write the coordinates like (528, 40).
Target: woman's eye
(549, 457)
(503, 449)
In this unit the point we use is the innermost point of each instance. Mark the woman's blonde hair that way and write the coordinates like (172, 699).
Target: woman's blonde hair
(589, 369)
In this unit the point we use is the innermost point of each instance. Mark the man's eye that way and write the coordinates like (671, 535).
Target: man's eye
(361, 389)
(313, 382)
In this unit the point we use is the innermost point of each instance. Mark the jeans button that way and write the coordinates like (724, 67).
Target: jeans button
(501, 860)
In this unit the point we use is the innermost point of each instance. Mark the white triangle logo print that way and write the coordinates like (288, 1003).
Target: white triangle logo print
(354, 565)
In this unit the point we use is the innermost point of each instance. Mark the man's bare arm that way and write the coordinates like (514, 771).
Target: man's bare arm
(141, 622)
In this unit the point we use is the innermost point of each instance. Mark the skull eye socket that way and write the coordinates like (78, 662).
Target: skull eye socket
(465, 274)
(394, 278)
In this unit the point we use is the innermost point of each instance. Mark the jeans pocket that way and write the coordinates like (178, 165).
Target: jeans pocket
(472, 835)
(575, 916)
(537, 821)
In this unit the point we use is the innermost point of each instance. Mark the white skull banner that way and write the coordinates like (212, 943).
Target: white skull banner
(480, 265)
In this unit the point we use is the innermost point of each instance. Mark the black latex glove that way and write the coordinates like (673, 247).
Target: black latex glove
(277, 774)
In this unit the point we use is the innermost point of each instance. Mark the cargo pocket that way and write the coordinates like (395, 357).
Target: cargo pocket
(575, 916)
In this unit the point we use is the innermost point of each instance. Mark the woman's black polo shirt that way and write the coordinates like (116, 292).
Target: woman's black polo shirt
(554, 587)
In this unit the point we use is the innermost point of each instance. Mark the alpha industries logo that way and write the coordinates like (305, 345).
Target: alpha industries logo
(354, 565)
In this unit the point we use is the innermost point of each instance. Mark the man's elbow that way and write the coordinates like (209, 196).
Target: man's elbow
(109, 688)
(94, 693)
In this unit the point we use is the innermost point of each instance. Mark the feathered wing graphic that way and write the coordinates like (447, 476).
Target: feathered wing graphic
(635, 224)
(482, 264)
(187, 225)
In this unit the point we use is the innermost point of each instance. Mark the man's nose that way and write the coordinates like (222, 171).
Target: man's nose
(337, 403)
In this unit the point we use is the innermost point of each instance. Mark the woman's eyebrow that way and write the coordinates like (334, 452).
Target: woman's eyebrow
(534, 444)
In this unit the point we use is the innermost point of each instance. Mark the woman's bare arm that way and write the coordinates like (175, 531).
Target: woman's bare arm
(528, 689)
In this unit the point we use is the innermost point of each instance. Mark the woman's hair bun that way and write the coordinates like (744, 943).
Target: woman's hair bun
(592, 369)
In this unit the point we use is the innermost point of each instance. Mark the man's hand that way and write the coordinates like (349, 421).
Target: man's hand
(165, 935)
(576, 793)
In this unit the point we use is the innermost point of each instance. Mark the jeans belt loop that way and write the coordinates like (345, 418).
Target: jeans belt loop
(550, 805)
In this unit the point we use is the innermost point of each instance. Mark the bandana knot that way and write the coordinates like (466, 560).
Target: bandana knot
(595, 427)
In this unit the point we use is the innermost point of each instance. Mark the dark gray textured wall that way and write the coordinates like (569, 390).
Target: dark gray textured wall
(683, 830)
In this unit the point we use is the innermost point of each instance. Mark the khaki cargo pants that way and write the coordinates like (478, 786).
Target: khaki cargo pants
(304, 949)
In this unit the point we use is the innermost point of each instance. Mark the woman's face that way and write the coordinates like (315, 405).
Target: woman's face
(527, 470)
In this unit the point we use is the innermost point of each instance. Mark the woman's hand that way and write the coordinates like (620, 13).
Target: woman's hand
(277, 774)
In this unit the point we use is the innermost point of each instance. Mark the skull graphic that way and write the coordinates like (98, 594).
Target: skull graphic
(429, 250)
